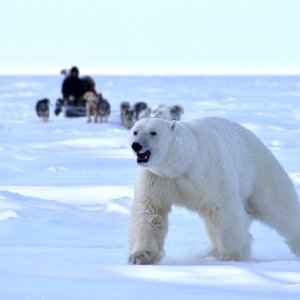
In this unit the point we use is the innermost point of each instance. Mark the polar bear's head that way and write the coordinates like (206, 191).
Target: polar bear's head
(150, 140)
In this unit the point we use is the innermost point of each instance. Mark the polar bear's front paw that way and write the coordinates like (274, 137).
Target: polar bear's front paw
(243, 254)
(143, 257)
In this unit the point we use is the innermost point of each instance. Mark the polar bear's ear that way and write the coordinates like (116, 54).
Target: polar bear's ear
(173, 124)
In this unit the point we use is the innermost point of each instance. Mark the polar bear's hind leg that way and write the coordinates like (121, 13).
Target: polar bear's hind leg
(281, 211)
(229, 234)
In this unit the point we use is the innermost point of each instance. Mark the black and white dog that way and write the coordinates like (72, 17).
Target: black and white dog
(103, 108)
(42, 109)
(138, 108)
(127, 114)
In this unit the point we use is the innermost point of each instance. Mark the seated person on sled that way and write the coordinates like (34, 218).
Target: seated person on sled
(73, 89)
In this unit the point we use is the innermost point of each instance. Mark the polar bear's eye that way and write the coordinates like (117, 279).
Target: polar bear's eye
(135, 133)
(153, 133)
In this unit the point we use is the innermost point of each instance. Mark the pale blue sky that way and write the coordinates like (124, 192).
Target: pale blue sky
(149, 35)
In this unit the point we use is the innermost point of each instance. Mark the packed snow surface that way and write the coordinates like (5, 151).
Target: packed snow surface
(66, 188)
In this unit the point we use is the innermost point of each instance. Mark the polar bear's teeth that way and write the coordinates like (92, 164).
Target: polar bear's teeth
(143, 157)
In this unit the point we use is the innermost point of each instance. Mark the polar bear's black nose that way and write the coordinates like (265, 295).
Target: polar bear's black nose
(136, 147)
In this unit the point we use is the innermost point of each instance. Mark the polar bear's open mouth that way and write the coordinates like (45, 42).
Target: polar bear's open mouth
(143, 157)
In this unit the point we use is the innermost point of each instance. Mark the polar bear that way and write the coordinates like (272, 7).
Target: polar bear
(216, 168)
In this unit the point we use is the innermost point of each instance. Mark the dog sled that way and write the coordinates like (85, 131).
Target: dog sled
(70, 108)
(75, 111)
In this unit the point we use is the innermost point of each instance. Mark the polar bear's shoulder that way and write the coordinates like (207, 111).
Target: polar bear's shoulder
(219, 126)
(213, 123)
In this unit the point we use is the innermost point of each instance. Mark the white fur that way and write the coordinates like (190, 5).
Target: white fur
(162, 112)
(168, 112)
(218, 169)
(145, 113)
(91, 106)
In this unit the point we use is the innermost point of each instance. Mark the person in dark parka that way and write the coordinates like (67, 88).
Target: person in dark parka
(73, 87)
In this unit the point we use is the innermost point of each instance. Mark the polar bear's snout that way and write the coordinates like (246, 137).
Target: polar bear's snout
(142, 157)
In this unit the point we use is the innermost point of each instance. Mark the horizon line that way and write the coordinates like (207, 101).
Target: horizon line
(155, 72)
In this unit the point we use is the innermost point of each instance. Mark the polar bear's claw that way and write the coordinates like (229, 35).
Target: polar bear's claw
(142, 258)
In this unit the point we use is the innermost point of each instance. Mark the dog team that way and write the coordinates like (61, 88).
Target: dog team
(99, 109)
(80, 98)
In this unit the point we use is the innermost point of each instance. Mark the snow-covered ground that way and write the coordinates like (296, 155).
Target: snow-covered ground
(66, 188)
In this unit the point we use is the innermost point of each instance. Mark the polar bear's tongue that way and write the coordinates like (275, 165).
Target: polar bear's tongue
(143, 157)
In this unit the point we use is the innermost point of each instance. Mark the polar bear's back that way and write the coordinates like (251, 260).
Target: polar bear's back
(254, 162)
(242, 145)
(224, 128)
(235, 138)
